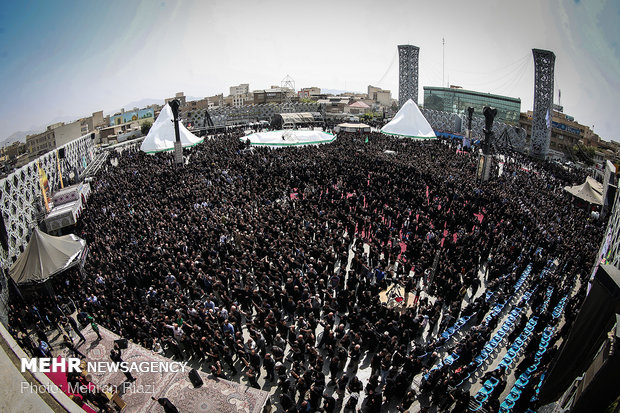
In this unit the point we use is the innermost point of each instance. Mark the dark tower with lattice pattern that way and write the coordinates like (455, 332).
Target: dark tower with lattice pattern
(407, 73)
(544, 63)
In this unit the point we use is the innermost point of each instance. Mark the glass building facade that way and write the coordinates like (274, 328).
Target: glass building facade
(456, 100)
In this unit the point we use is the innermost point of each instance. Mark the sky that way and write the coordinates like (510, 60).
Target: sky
(71, 58)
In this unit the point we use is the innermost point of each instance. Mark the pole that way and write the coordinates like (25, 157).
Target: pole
(443, 51)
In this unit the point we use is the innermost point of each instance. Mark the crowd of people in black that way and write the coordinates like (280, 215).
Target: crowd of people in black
(272, 262)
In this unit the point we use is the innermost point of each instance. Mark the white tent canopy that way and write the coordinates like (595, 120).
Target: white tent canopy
(409, 123)
(590, 191)
(161, 136)
(45, 256)
(352, 127)
(289, 137)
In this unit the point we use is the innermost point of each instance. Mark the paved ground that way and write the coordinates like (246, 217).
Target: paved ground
(363, 372)
(214, 396)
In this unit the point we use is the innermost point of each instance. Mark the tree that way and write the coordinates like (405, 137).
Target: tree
(146, 127)
(585, 154)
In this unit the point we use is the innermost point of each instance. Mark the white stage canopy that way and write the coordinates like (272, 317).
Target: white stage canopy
(409, 122)
(161, 136)
(352, 127)
(289, 137)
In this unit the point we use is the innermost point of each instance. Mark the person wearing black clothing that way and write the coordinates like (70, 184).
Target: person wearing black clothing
(269, 365)
(255, 362)
(252, 378)
(329, 404)
(76, 328)
(286, 401)
(167, 405)
(115, 355)
(407, 401)
(334, 369)
(374, 401)
(216, 370)
(71, 347)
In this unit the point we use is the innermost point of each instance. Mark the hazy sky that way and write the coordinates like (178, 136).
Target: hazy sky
(61, 58)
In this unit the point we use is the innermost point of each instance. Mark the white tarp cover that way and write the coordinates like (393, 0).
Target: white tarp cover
(352, 127)
(45, 256)
(410, 123)
(299, 117)
(161, 136)
(590, 191)
(289, 138)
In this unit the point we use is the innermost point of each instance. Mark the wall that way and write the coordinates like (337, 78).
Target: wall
(21, 200)
(67, 133)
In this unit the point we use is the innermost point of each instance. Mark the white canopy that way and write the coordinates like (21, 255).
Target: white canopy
(352, 127)
(590, 191)
(45, 256)
(161, 136)
(289, 138)
(409, 123)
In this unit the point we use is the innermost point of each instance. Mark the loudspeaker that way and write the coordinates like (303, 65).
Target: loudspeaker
(194, 377)
(61, 153)
(122, 343)
(92, 136)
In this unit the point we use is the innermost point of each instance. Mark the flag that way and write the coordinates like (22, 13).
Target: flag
(59, 170)
(548, 119)
(44, 183)
(366, 140)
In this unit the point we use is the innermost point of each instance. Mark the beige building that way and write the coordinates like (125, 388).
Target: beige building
(335, 104)
(40, 143)
(13, 150)
(273, 95)
(566, 133)
(180, 96)
(242, 89)
(309, 92)
(215, 101)
(381, 96)
(66, 133)
(59, 134)
(357, 108)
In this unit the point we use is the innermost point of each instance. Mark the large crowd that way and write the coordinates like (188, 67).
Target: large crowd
(260, 261)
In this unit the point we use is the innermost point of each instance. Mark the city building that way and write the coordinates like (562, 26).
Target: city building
(60, 133)
(309, 92)
(65, 133)
(14, 150)
(334, 104)
(140, 115)
(242, 89)
(357, 108)
(40, 143)
(239, 95)
(565, 132)
(180, 96)
(194, 105)
(215, 101)
(456, 100)
(381, 96)
(273, 95)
